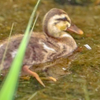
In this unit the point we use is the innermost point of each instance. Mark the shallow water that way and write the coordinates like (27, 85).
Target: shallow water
(81, 80)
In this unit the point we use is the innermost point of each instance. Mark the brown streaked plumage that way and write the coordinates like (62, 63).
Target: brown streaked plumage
(46, 46)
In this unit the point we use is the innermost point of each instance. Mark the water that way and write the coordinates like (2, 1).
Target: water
(81, 81)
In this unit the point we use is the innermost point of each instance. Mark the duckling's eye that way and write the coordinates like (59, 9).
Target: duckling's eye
(65, 19)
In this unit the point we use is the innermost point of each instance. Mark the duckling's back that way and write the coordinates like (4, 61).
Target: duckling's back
(32, 54)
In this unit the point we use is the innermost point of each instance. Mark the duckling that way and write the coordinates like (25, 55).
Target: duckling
(54, 42)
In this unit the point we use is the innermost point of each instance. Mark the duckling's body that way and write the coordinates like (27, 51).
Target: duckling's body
(53, 43)
(39, 50)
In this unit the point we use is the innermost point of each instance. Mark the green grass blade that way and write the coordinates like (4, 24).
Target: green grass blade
(34, 25)
(9, 87)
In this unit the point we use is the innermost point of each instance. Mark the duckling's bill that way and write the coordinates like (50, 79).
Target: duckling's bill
(75, 29)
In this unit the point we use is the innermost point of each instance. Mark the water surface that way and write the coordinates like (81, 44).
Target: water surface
(81, 79)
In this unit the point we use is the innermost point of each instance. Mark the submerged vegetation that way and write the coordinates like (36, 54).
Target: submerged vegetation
(83, 78)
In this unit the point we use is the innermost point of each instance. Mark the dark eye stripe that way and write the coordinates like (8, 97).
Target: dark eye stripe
(63, 19)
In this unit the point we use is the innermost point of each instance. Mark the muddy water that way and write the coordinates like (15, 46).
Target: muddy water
(79, 75)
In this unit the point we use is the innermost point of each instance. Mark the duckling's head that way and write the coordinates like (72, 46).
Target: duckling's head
(56, 22)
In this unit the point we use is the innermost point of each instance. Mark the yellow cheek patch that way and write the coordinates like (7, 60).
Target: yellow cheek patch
(62, 26)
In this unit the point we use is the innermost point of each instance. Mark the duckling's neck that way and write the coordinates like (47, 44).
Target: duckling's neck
(58, 35)
(63, 39)
(67, 40)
